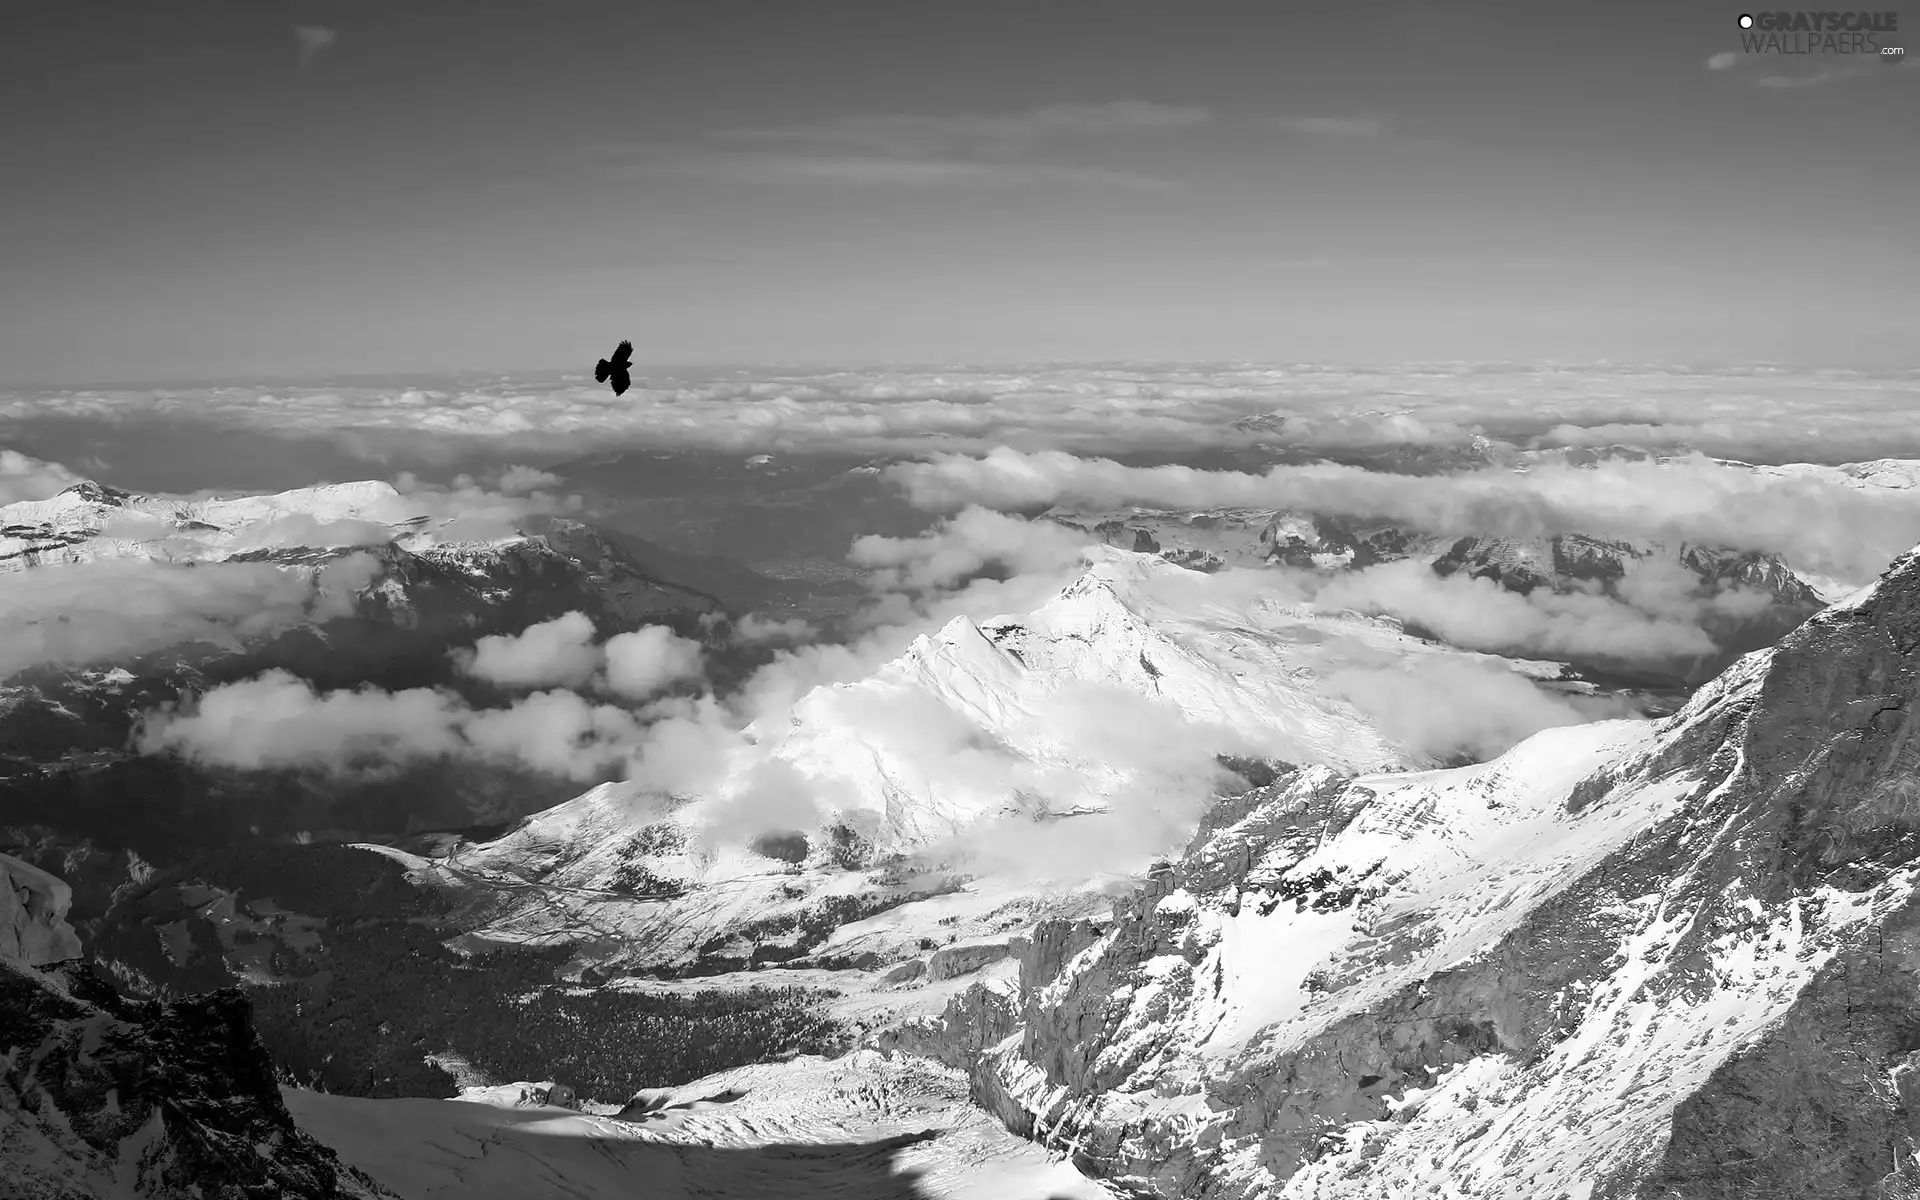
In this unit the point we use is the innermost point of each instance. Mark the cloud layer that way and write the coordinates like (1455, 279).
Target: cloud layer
(1754, 414)
(26, 478)
(1059, 143)
(1816, 523)
(108, 611)
(1660, 616)
(277, 720)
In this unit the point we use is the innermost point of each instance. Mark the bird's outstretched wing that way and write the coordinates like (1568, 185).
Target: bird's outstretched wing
(621, 383)
(623, 354)
(600, 371)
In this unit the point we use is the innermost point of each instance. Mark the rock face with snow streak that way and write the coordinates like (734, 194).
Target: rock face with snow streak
(1623, 960)
(106, 1097)
(33, 915)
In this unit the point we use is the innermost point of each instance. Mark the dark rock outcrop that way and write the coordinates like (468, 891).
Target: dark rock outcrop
(101, 1096)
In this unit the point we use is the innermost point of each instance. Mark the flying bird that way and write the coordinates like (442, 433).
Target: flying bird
(615, 368)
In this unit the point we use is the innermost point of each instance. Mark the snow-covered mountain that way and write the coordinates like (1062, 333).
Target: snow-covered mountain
(970, 736)
(1624, 959)
(1239, 667)
(90, 521)
(1890, 474)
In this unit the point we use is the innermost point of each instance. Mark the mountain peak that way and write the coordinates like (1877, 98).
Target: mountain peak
(96, 493)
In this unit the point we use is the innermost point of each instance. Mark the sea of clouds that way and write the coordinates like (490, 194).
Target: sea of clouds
(1755, 414)
(975, 449)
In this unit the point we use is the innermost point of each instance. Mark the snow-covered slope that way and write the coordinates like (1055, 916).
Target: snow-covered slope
(1626, 959)
(1003, 721)
(1225, 666)
(858, 1128)
(89, 522)
(1893, 474)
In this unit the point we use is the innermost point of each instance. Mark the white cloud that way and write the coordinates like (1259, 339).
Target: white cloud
(26, 478)
(279, 720)
(1447, 707)
(292, 529)
(753, 628)
(1362, 126)
(1659, 617)
(1825, 76)
(650, 660)
(974, 541)
(106, 611)
(914, 134)
(518, 480)
(463, 510)
(560, 651)
(312, 40)
(777, 167)
(920, 150)
(1755, 414)
(1723, 61)
(555, 731)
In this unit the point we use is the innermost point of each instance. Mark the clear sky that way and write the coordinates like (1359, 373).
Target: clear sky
(204, 190)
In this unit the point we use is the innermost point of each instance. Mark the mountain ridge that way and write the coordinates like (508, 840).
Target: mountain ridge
(1642, 1027)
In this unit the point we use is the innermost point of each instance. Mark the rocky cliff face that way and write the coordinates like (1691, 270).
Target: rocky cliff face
(1634, 959)
(33, 916)
(101, 1096)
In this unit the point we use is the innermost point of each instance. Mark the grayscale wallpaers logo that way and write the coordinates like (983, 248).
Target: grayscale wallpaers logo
(1862, 33)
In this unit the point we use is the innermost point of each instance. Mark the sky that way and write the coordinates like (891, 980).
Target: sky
(209, 191)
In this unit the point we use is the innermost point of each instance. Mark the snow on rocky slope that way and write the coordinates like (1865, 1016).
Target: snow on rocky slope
(1630, 959)
(1237, 667)
(857, 1128)
(90, 522)
(33, 915)
(966, 730)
